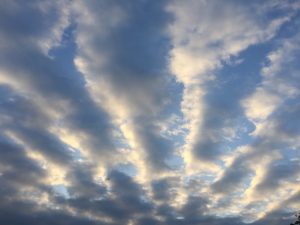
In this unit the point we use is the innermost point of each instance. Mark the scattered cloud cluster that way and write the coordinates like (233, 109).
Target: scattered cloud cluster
(149, 112)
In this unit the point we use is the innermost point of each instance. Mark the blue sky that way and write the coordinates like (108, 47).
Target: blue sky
(147, 112)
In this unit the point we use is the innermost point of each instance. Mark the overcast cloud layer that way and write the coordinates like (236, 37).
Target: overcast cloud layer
(145, 112)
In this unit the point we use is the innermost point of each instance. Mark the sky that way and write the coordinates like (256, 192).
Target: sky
(149, 112)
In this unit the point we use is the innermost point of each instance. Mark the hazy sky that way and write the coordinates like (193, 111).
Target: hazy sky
(149, 112)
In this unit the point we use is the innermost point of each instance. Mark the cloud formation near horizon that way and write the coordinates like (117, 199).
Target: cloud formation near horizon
(149, 112)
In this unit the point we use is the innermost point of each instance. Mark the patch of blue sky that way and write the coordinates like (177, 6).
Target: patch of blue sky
(76, 154)
(233, 83)
(291, 154)
(128, 169)
(61, 190)
(206, 177)
(64, 55)
(288, 29)
(172, 113)
(175, 162)
(68, 44)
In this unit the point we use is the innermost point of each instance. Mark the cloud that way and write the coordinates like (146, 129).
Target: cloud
(56, 89)
(125, 69)
(275, 87)
(205, 36)
(38, 23)
(149, 112)
(266, 164)
(277, 173)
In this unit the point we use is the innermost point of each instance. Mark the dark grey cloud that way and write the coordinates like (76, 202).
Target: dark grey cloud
(232, 178)
(148, 221)
(18, 174)
(46, 79)
(18, 109)
(136, 55)
(14, 213)
(286, 120)
(166, 211)
(278, 172)
(17, 170)
(293, 199)
(55, 84)
(194, 207)
(206, 220)
(83, 184)
(26, 24)
(27, 122)
(163, 189)
(129, 193)
(276, 217)
(242, 168)
(158, 149)
(42, 95)
(137, 47)
(122, 201)
(36, 85)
